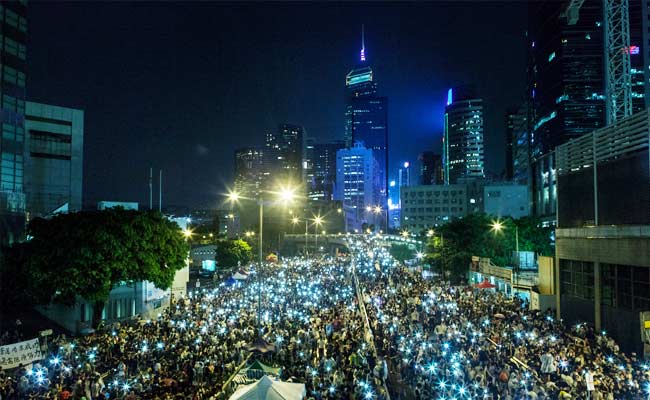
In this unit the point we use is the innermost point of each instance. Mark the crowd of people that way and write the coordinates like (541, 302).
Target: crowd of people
(446, 342)
(309, 316)
(420, 338)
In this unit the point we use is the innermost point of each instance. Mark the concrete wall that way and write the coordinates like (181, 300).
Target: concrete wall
(546, 275)
(629, 246)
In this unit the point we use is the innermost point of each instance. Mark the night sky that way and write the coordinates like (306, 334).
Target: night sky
(179, 86)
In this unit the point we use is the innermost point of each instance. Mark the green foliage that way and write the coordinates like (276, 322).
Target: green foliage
(401, 252)
(87, 253)
(230, 252)
(453, 244)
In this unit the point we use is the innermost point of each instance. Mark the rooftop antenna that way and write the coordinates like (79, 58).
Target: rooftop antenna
(363, 44)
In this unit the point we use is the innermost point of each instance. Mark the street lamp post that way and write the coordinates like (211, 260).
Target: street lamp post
(286, 195)
(497, 227)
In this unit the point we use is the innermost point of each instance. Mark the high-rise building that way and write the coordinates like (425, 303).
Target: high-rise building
(320, 169)
(356, 185)
(249, 171)
(283, 156)
(517, 145)
(13, 40)
(431, 171)
(366, 119)
(639, 53)
(463, 140)
(602, 245)
(565, 72)
(404, 175)
(53, 159)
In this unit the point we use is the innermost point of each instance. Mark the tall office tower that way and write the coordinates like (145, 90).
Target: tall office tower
(431, 171)
(639, 53)
(320, 159)
(356, 185)
(566, 88)
(283, 156)
(13, 40)
(53, 159)
(249, 171)
(463, 143)
(565, 72)
(308, 179)
(366, 118)
(517, 145)
(404, 175)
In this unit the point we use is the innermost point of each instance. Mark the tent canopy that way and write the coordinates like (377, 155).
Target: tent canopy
(259, 366)
(261, 346)
(485, 285)
(268, 389)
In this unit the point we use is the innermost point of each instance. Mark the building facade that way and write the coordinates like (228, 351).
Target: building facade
(366, 120)
(356, 185)
(53, 156)
(283, 156)
(13, 41)
(320, 169)
(463, 137)
(506, 200)
(249, 171)
(431, 170)
(603, 234)
(428, 206)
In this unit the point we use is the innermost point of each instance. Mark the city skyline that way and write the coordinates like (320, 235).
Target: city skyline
(193, 133)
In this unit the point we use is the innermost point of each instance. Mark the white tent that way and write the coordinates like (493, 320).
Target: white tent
(239, 276)
(268, 389)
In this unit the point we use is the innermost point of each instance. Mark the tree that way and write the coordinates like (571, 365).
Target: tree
(401, 252)
(85, 254)
(231, 252)
(453, 244)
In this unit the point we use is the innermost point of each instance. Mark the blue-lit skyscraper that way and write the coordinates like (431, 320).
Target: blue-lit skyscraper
(356, 186)
(463, 142)
(366, 120)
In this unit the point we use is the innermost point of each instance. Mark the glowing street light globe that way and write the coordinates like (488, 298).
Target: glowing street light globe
(233, 196)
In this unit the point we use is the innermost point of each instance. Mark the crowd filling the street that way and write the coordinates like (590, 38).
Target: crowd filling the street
(358, 326)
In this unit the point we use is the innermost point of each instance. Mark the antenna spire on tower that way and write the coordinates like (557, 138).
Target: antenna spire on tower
(363, 44)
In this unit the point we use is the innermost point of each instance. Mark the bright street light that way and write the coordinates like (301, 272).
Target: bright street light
(233, 196)
(377, 209)
(295, 220)
(187, 233)
(286, 194)
(497, 226)
(318, 220)
(419, 255)
(405, 233)
(368, 208)
(430, 233)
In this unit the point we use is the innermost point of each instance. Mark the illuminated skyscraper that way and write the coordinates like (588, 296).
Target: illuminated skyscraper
(320, 169)
(463, 142)
(13, 29)
(565, 73)
(249, 171)
(356, 185)
(283, 155)
(366, 119)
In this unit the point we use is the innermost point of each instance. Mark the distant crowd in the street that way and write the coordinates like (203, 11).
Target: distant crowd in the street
(431, 340)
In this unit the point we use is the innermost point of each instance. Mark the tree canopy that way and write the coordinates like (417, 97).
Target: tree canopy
(87, 253)
(231, 252)
(453, 244)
